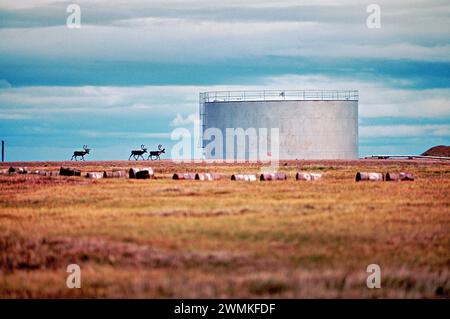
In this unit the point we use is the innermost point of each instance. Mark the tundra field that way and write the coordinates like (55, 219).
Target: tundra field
(163, 238)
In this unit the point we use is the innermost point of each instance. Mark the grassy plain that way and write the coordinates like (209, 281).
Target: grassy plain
(163, 238)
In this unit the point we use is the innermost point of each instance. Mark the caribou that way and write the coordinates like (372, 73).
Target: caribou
(138, 153)
(157, 153)
(80, 153)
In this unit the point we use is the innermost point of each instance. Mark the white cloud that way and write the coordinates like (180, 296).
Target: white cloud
(401, 50)
(162, 135)
(147, 100)
(136, 32)
(13, 116)
(412, 106)
(120, 4)
(180, 121)
(376, 98)
(404, 131)
(181, 102)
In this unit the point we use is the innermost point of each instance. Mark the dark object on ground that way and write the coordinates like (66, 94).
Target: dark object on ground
(207, 176)
(140, 173)
(273, 177)
(18, 170)
(114, 174)
(180, 176)
(48, 173)
(67, 171)
(365, 176)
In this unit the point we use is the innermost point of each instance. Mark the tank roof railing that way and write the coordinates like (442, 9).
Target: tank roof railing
(280, 95)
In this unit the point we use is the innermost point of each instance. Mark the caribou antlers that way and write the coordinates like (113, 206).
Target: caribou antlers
(138, 153)
(81, 153)
(157, 153)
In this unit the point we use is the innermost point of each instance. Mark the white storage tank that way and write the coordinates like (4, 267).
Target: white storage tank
(311, 124)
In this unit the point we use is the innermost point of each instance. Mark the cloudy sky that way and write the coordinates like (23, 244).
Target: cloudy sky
(133, 71)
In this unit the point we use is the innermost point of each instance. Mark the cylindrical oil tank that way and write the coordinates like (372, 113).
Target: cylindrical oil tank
(311, 124)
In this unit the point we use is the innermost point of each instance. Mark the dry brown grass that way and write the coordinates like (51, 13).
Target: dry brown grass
(164, 238)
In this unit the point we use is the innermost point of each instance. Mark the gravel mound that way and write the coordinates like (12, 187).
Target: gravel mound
(440, 150)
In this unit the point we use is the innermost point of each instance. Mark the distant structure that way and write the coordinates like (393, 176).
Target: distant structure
(312, 124)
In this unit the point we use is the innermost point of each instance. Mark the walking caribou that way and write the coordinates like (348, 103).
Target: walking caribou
(138, 153)
(80, 153)
(157, 153)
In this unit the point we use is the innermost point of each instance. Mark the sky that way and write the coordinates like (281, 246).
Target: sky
(132, 72)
